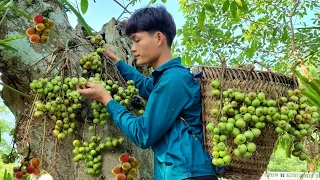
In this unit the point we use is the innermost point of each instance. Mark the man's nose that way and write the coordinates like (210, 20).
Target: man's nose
(133, 48)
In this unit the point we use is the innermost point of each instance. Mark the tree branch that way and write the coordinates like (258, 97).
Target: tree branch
(260, 50)
(124, 10)
(217, 53)
(294, 48)
(292, 27)
(261, 64)
(123, 6)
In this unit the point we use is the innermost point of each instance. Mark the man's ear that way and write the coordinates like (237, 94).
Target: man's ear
(160, 38)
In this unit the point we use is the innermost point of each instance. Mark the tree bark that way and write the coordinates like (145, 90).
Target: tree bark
(32, 61)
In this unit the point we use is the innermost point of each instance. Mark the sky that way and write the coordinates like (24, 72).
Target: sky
(103, 11)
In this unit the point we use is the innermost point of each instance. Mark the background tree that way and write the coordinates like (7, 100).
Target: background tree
(274, 32)
(6, 125)
(280, 163)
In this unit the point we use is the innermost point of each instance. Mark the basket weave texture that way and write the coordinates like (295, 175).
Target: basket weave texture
(242, 80)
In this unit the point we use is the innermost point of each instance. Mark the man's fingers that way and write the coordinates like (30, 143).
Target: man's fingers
(89, 37)
(80, 90)
(79, 87)
(85, 92)
(90, 84)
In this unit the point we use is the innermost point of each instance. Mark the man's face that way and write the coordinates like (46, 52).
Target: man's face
(145, 47)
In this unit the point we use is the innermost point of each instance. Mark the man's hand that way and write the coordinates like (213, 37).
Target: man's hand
(114, 58)
(95, 92)
(89, 37)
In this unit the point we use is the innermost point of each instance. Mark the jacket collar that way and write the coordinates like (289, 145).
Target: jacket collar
(168, 64)
(171, 63)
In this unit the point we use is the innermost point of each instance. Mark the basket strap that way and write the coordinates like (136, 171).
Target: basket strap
(197, 75)
(185, 122)
(218, 169)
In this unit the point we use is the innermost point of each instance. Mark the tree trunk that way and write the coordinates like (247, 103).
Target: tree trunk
(33, 61)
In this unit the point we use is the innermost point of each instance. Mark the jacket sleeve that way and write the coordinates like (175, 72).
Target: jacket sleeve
(143, 83)
(165, 103)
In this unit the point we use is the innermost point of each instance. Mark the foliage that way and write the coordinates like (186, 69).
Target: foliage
(245, 30)
(7, 42)
(312, 87)
(84, 6)
(280, 163)
(6, 128)
(5, 175)
(5, 6)
(312, 92)
(133, 2)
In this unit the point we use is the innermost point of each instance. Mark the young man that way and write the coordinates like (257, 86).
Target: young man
(171, 124)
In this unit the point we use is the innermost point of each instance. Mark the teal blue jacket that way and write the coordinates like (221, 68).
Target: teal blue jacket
(172, 93)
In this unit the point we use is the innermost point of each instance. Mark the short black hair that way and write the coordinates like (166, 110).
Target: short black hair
(152, 19)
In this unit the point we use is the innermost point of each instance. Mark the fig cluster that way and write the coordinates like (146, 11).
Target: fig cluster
(9, 158)
(91, 152)
(92, 61)
(127, 170)
(41, 31)
(27, 168)
(60, 101)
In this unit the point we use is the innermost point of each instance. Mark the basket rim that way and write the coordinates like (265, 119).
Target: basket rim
(219, 67)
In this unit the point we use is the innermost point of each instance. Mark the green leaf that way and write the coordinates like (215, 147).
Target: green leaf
(201, 17)
(84, 6)
(7, 9)
(4, 3)
(244, 8)
(188, 60)
(7, 46)
(234, 8)
(225, 6)
(228, 34)
(13, 38)
(277, 145)
(11, 132)
(274, 32)
(26, 177)
(315, 27)
(179, 32)
(289, 148)
(285, 34)
(252, 49)
(5, 174)
(210, 8)
(283, 143)
(164, 1)
(199, 60)
(21, 12)
(152, 2)
(310, 84)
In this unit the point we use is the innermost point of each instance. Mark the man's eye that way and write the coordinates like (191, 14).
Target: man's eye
(137, 40)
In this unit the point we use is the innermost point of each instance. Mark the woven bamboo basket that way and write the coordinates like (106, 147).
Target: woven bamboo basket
(242, 80)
